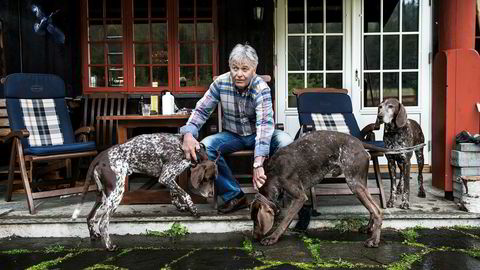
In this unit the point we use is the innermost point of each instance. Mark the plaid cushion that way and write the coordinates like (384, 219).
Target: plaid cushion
(41, 121)
(330, 121)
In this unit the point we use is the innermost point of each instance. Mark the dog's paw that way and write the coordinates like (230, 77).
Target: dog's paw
(268, 241)
(405, 205)
(95, 236)
(112, 248)
(390, 204)
(371, 243)
(421, 194)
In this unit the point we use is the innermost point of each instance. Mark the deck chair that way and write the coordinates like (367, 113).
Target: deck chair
(42, 134)
(331, 109)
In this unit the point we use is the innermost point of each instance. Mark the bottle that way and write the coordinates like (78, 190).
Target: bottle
(168, 103)
(140, 106)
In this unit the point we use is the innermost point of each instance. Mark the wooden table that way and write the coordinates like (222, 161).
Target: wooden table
(144, 195)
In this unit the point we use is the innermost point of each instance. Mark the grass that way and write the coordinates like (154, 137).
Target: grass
(176, 231)
(350, 224)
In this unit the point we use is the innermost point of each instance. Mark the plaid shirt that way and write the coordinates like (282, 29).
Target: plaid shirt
(244, 113)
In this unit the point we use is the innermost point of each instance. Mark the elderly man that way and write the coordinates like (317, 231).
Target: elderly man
(247, 117)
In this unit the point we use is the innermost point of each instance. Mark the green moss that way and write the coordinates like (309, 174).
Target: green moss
(177, 230)
(407, 261)
(350, 224)
(54, 248)
(15, 251)
(410, 235)
(49, 264)
(100, 266)
(247, 246)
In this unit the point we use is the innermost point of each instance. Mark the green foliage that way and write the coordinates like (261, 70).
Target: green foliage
(177, 230)
(54, 248)
(51, 263)
(410, 235)
(350, 224)
(247, 246)
(104, 267)
(15, 251)
(406, 261)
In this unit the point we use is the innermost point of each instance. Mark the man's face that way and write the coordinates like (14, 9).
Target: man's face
(242, 73)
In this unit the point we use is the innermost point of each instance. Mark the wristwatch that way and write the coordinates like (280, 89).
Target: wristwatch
(257, 165)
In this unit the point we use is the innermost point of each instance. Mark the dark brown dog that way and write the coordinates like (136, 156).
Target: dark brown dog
(159, 155)
(295, 168)
(401, 132)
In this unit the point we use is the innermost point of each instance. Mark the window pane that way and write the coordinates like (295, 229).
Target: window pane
(114, 9)
(141, 31)
(314, 16)
(333, 53)
(187, 76)
(96, 54)
(410, 89)
(204, 54)
(294, 81)
(185, 31)
(315, 80)
(410, 15)
(410, 51)
(141, 54)
(296, 52)
(390, 52)
(140, 8)
(334, 80)
(204, 8)
(334, 19)
(159, 8)
(97, 77)
(95, 30)
(204, 31)
(371, 92)
(115, 76)
(187, 54)
(391, 15)
(159, 53)
(142, 76)
(95, 9)
(185, 8)
(372, 52)
(159, 31)
(160, 75)
(315, 53)
(205, 76)
(295, 17)
(114, 29)
(115, 53)
(390, 85)
(371, 21)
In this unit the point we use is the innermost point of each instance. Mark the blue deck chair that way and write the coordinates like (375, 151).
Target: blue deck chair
(331, 109)
(42, 133)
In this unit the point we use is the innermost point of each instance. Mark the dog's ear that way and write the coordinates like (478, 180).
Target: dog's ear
(196, 175)
(401, 119)
(265, 218)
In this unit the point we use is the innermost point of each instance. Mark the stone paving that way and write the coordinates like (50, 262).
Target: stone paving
(338, 248)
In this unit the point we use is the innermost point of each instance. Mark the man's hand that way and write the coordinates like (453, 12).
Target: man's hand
(259, 177)
(190, 144)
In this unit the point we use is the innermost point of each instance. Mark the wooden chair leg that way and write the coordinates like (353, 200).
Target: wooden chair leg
(68, 169)
(314, 198)
(378, 177)
(11, 173)
(25, 177)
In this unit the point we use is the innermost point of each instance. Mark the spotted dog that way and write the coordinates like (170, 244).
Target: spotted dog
(158, 155)
(401, 132)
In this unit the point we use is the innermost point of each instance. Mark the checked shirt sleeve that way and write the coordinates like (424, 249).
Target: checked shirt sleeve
(264, 121)
(202, 112)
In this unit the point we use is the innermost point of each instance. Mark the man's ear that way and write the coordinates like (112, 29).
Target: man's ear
(401, 119)
(196, 175)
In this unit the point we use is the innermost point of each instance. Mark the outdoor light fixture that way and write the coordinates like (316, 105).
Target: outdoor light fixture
(258, 11)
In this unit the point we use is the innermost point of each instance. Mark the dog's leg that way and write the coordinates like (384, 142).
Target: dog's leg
(176, 201)
(167, 178)
(110, 204)
(393, 181)
(406, 185)
(298, 199)
(420, 162)
(375, 214)
(94, 235)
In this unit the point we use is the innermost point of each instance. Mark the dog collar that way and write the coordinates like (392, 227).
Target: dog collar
(266, 201)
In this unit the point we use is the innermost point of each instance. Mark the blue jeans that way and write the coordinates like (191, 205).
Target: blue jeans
(227, 142)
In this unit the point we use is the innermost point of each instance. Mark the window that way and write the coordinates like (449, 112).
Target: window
(149, 45)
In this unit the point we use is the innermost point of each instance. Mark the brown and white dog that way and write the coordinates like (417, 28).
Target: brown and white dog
(401, 132)
(294, 169)
(158, 155)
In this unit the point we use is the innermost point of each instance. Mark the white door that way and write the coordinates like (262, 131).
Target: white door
(374, 48)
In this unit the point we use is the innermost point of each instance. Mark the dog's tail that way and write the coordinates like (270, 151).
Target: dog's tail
(393, 151)
(88, 179)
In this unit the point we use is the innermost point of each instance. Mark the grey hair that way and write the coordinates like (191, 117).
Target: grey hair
(243, 54)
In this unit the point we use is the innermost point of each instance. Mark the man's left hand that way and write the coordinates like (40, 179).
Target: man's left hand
(259, 177)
